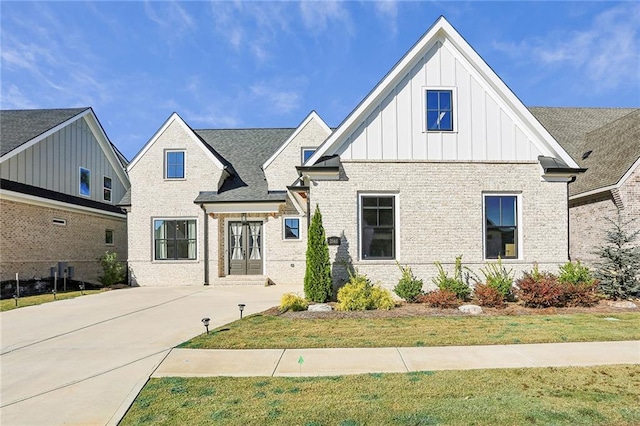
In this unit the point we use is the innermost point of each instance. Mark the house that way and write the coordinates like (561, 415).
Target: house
(61, 180)
(605, 141)
(440, 159)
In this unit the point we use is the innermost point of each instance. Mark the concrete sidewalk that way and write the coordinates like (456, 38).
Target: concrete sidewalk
(341, 361)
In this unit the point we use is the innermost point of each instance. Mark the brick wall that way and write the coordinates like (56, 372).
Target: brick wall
(282, 171)
(588, 217)
(441, 214)
(152, 196)
(30, 243)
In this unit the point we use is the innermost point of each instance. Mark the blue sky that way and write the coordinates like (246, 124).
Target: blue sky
(268, 64)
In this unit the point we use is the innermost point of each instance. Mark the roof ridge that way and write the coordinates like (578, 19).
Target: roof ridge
(251, 128)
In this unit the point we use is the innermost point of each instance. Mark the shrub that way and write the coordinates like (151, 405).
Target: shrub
(409, 287)
(575, 273)
(453, 284)
(442, 299)
(499, 278)
(359, 295)
(318, 286)
(113, 270)
(580, 294)
(619, 266)
(539, 289)
(485, 295)
(293, 302)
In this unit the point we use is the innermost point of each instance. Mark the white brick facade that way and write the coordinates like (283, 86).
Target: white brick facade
(153, 196)
(441, 214)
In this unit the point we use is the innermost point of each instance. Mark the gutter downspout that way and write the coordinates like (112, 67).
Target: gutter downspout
(573, 179)
(206, 245)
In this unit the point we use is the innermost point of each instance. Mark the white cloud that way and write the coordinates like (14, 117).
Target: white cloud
(606, 53)
(170, 16)
(317, 16)
(13, 98)
(387, 10)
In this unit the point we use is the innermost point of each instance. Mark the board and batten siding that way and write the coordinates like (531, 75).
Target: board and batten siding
(485, 130)
(54, 163)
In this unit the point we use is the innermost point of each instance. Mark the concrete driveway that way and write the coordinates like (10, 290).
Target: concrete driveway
(82, 361)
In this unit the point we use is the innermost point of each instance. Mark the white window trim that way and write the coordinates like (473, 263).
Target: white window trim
(303, 149)
(520, 225)
(110, 189)
(59, 222)
(284, 238)
(166, 164)
(153, 241)
(80, 182)
(396, 214)
(454, 108)
(113, 237)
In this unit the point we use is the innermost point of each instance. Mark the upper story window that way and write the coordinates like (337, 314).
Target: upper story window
(291, 228)
(439, 112)
(378, 227)
(174, 165)
(307, 153)
(85, 182)
(502, 231)
(106, 188)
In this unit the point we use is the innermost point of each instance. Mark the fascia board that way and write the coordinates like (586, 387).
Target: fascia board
(312, 116)
(174, 117)
(45, 202)
(626, 176)
(296, 204)
(405, 63)
(44, 135)
(246, 207)
(105, 144)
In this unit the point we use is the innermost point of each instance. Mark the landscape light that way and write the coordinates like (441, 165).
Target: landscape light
(241, 307)
(205, 321)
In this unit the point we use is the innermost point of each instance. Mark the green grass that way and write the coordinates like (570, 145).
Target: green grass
(9, 304)
(541, 396)
(265, 331)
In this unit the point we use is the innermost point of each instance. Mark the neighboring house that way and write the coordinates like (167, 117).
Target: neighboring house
(605, 141)
(440, 159)
(61, 180)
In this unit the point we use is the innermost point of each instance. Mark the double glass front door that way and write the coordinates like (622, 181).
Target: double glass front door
(245, 248)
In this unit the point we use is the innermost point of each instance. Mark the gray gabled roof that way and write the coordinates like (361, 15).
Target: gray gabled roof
(18, 127)
(611, 134)
(244, 151)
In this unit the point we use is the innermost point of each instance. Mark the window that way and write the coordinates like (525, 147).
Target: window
(306, 153)
(378, 227)
(174, 165)
(85, 182)
(291, 228)
(439, 110)
(106, 188)
(501, 226)
(108, 237)
(174, 239)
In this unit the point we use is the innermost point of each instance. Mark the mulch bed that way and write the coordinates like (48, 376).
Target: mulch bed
(421, 310)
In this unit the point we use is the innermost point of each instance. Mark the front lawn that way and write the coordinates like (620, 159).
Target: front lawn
(271, 331)
(9, 304)
(550, 396)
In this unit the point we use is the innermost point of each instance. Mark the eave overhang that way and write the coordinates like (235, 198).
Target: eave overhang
(327, 168)
(242, 206)
(556, 170)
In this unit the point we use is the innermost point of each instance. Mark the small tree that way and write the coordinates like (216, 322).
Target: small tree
(113, 269)
(619, 268)
(318, 286)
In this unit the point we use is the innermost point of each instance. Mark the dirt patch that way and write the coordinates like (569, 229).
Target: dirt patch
(421, 310)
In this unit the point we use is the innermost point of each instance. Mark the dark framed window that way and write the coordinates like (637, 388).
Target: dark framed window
(378, 227)
(108, 237)
(85, 182)
(439, 110)
(174, 165)
(307, 153)
(174, 239)
(501, 226)
(106, 188)
(291, 228)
